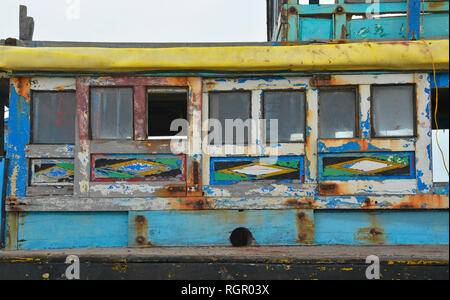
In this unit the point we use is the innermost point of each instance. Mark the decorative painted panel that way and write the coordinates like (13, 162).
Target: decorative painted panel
(125, 167)
(226, 171)
(355, 166)
(52, 172)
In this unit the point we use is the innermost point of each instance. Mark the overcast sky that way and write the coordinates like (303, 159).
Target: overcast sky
(139, 20)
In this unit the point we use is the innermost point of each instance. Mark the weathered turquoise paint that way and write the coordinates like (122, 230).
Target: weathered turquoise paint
(391, 227)
(330, 24)
(377, 28)
(436, 25)
(201, 228)
(315, 29)
(72, 230)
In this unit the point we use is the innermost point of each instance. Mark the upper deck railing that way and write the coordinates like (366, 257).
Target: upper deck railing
(289, 21)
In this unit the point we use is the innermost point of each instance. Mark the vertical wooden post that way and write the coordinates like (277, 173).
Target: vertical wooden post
(413, 20)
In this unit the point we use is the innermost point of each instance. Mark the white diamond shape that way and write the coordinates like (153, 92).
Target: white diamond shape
(367, 166)
(257, 170)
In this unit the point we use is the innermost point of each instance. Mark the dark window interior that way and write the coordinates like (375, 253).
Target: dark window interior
(163, 109)
(442, 114)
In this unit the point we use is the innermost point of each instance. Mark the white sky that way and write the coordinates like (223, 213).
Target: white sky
(139, 20)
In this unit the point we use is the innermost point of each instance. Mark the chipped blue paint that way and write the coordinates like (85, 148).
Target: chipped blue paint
(395, 227)
(72, 230)
(18, 138)
(414, 19)
(441, 189)
(206, 228)
(442, 80)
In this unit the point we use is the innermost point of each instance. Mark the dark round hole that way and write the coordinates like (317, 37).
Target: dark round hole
(241, 237)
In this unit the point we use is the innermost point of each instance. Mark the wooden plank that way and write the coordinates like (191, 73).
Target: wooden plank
(386, 227)
(72, 230)
(366, 144)
(366, 202)
(49, 151)
(202, 228)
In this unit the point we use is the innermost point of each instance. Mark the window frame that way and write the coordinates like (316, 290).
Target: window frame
(133, 138)
(357, 126)
(250, 111)
(263, 112)
(86, 148)
(160, 138)
(32, 110)
(414, 106)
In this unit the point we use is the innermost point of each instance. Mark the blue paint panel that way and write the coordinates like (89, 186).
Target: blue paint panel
(441, 80)
(201, 228)
(398, 227)
(18, 138)
(377, 28)
(414, 19)
(315, 28)
(435, 25)
(72, 230)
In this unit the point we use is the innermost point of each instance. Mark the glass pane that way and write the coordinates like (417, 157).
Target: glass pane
(112, 113)
(231, 106)
(53, 117)
(289, 109)
(393, 110)
(337, 113)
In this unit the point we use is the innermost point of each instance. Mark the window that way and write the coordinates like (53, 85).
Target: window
(393, 111)
(288, 108)
(234, 107)
(164, 106)
(112, 113)
(337, 113)
(53, 116)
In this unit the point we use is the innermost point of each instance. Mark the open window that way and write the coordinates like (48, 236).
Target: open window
(165, 105)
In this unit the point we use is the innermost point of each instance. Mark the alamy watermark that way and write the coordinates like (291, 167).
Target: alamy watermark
(73, 270)
(373, 271)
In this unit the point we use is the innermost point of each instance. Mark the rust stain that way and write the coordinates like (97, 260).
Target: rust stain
(305, 228)
(141, 224)
(371, 235)
(191, 203)
(22, 86)
(300, 203)
(329, 189)
(323, 80)
(424, 202)
(172, 191)
(436, 5)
